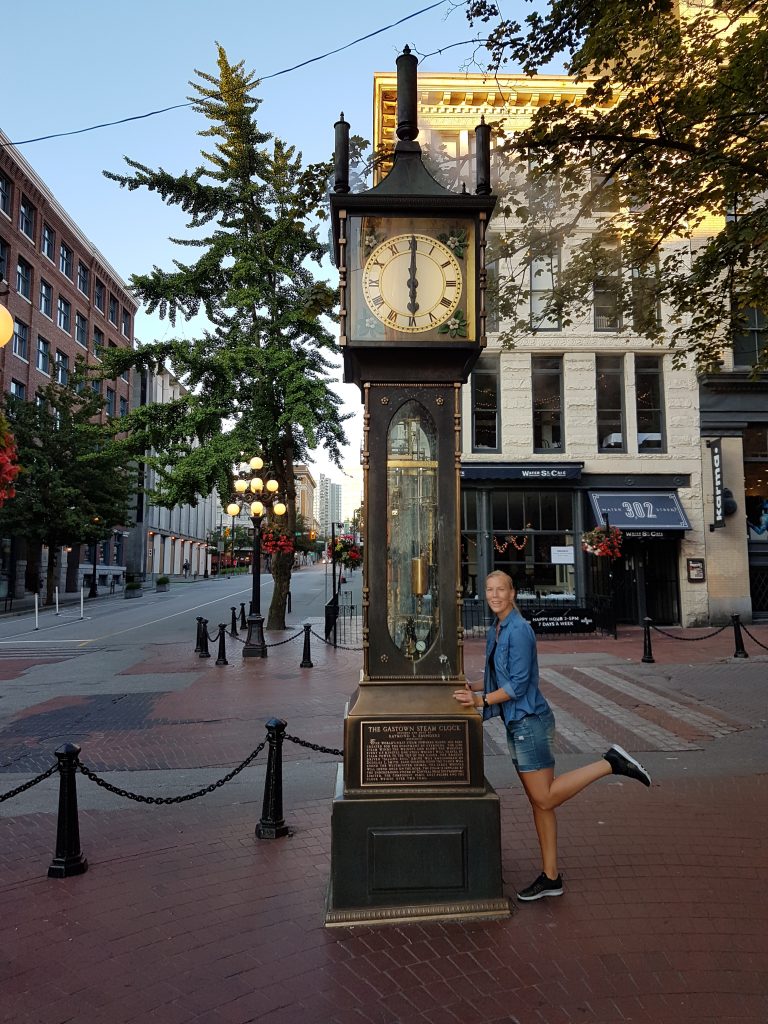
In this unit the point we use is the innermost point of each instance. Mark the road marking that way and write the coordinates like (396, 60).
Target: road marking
(636, 724)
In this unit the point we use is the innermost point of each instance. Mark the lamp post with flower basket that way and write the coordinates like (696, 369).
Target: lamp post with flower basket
(605, 542)
(264, 496)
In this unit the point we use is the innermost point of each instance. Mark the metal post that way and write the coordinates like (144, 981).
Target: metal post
(221, 656)
(306, 656)
(738, 639)
(289, 602)
(68, 859)
(92, 590)
(204, 652)
(243, 623)
(647, 650)
(255, 646)
(272, 825)
(233, 627)
(199, 635)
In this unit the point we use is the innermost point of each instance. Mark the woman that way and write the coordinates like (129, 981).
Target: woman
(510, 688)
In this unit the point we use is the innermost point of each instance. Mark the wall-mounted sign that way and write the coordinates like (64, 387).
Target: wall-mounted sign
(553, 471)
(697, 572)
(717, 483)
(639, 510)
(562, 554)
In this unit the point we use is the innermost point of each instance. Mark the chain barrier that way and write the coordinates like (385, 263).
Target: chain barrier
(28, 785)
(690, 639)
(279, 643)
(167, 799)
(330, 644)
(751, 637)
(314, 746)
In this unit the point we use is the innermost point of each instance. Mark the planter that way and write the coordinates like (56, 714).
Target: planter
(132, 593)
(162, 588)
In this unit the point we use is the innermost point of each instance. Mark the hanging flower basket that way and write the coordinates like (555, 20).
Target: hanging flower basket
(274, 542)
(9, 467)
(602, 543)
(347, 552)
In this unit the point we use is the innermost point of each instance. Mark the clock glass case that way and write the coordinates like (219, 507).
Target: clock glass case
(411, 278)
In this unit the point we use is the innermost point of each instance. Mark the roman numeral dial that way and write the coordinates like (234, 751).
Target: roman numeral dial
(412, 283)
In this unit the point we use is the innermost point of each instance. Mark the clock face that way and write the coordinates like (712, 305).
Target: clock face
(411, 278)
(412, 283)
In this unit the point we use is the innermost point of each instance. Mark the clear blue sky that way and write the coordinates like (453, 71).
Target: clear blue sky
(71, 65)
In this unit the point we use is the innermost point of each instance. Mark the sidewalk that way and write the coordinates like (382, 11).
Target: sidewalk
(184, 916)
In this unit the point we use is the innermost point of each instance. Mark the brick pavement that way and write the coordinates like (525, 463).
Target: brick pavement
(184, 916)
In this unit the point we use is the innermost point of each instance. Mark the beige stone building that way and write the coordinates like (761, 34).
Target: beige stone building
(581, 422)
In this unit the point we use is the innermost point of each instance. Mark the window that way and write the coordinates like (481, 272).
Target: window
(605, 193)
(110, 402)
(18, 390)
(485, 409)
(64, 319)
(4, 251)
(6, 194)
(20, 340)
(40, 402)
(49, 242)
(547, 380)
(24, 279)
(46, 299)
(543, 187)
(113, 304)
(43, 355)
(123, 406)
(66, 260)
(607, 291)
(27, 217)
(126, 323)
(83, 278)
(645, 297)
(752, 341)
(610, 403)
(649, 395)
(96, 387)
(62, 367)
(98, 342)
(99, 295)
(544, 274)
(81, 330)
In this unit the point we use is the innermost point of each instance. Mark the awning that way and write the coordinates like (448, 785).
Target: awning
(522, 471)
(639, 510)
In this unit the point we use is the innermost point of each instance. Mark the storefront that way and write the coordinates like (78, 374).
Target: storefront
(528, 519)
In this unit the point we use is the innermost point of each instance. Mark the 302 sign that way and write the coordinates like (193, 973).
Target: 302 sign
(638, 510)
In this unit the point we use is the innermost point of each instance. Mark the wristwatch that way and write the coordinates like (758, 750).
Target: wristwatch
(485, 702)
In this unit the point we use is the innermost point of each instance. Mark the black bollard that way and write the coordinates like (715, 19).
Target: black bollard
(204, 652)
(288, 609)
(69, 859)
(199, 637)
(272, 825)
(243, 620)
(647, 649)
(233, 627)
(306, 656)
(738, 639)
(221, 656)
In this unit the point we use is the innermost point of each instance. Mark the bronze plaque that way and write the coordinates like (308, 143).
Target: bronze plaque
(409, 752)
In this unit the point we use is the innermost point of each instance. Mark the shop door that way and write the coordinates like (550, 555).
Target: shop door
(647, 582)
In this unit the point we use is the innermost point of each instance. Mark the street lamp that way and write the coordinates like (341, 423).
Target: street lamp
(264, 495)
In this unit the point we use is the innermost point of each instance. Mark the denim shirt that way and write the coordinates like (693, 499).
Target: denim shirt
(516, 669)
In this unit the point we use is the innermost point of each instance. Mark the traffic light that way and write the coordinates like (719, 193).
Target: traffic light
(226, 531)
(312, 535)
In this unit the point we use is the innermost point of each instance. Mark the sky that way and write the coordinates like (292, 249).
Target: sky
(71, 66)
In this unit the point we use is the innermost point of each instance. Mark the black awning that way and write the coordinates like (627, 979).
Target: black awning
(639, 510)
(534, 471)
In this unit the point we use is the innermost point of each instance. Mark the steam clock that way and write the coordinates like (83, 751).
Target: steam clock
(415, 825)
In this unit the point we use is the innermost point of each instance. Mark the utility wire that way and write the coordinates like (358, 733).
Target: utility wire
(276, 74)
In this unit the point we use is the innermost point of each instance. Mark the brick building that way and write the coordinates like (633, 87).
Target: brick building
(67, 303)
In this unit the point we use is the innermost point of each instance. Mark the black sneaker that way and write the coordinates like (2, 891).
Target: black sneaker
(623, 763)
(543, 886)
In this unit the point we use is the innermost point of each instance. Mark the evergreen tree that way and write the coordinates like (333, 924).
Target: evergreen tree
(257, 380)
(667, 152)
(74, 485)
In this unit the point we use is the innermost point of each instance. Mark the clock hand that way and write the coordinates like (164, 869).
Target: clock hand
(412, 282)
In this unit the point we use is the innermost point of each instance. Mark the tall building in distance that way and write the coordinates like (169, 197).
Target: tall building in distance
(328, 509)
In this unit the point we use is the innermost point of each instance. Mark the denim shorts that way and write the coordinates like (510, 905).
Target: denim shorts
(530, 742)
